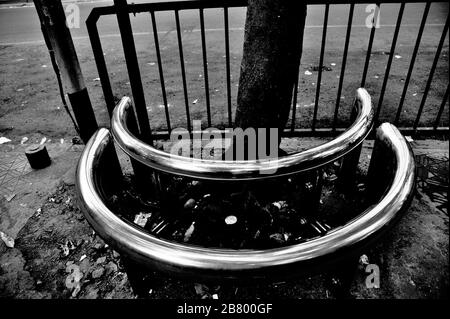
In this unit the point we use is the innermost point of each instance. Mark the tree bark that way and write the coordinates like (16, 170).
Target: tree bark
(269, 67)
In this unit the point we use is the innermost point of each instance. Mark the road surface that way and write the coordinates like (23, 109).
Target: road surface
(30, 101)
(20, 25)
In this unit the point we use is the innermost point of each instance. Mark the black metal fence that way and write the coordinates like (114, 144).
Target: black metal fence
(123, 11)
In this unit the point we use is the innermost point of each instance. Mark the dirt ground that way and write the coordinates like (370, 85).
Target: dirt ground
(56, 245)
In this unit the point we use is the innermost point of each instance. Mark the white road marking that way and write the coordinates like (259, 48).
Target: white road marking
(116, 35)
(31, 5)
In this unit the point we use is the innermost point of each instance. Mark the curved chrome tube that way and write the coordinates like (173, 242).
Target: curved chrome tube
(183, 259)
(239, 170)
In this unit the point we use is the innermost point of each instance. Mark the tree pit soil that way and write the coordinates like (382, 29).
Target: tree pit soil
(58, 239)
(242, 215)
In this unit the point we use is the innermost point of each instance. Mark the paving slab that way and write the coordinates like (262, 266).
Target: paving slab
(22, 188)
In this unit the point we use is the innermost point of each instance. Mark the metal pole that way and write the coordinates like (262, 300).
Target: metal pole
(58, 78)
(53, 22)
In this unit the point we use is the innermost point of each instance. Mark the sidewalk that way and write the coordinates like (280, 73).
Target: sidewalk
(22, 189)
(39, 211)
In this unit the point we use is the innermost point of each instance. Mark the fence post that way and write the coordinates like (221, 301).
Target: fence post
(53, 23)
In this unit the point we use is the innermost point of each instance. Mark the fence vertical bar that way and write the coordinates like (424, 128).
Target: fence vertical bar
(413, 60)
(205, 66)
(389, 64)
(430, 77)
(142, 173)
(344, 61)
(91, 25)
(441, 109)
(317, 194)
(319, 76)
(369, 46)
(160, 69)
(227, 61)
(134, 73)
(294, 99)
(294, 102)
(183, 72)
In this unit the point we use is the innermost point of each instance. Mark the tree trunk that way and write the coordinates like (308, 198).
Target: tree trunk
(269, 67)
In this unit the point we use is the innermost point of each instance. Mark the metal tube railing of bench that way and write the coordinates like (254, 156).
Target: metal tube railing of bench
(187, 260)
(240, 170)
(321, 122)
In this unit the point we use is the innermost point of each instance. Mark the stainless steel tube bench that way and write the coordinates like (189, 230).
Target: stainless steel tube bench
(240, 170)
(391, 179)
